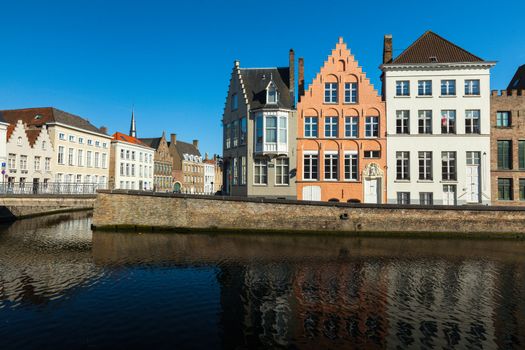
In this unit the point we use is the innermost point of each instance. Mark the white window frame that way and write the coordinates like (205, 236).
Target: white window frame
(330, 127)
(308, 159)
(331, 170)
(330, 93)
(402, 166)
(261, 166)
(424, 121)
(351, 127)
(311, 122)
(284, 178)
(425, 165)
(353, 162)
(351, 93)
(402, 122)
(370, 121)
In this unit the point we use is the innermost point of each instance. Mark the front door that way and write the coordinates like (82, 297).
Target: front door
(449, 194)
(473, 183)
(311, 193)
(373, 191)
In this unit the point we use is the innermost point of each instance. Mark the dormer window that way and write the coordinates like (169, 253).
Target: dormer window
(271, 94)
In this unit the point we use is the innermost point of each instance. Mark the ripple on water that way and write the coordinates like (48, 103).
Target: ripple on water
(63, 287)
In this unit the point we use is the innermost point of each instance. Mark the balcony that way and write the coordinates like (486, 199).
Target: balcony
(271, 148)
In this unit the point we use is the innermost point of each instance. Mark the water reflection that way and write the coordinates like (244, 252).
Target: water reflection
(325, 292)
(45, 258)
(63, 287)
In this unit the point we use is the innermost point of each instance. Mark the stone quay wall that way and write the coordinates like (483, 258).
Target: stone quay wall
(15, 207)
(141, 211)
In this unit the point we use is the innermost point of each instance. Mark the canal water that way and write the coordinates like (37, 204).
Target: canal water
(65, 287)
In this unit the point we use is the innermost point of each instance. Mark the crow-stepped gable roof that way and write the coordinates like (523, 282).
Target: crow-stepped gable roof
(432, 48)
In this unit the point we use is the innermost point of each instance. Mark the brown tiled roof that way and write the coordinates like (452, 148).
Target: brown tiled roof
(32, 135)
(432, 48)
(10, 129)
(518, 81)
(44, 115)
(129, 139)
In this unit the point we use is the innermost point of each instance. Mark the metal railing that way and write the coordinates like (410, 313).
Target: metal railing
(30, 188)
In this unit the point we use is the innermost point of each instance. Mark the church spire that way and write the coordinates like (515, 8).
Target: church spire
(133, 128)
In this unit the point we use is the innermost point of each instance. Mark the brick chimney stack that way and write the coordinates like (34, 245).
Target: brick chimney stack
(173, 139)
(196, 144)
(300, 78)
(387, 49)
(292, 75)
(104, 130)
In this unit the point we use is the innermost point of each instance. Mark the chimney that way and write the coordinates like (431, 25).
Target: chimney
(387, 49)
(206, 156)
(173, 139)
(301, 78)
(104, 130)
(292, 75)
(196, 144)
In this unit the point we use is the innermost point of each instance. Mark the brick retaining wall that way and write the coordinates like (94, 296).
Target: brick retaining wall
(146, 211)
(22, 206)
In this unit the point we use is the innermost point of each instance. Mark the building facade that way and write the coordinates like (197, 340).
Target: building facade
(29, 158)
(508, 144)
(188, 167)
(259, 125)
(81, 149)
(3, 148)
(341, 142)
(163, 163)
(131, 163)
(438, 123)
(209, 175)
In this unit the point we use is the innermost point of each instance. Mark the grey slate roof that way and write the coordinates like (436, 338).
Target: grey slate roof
(152, 142)
(186, 148)
(257, 79)
(2, 120)
(518, 81)
(48, 115)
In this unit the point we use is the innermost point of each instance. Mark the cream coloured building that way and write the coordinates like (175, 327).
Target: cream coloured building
(81, 149)
(29, 158)
(132, 163)
(3, 139)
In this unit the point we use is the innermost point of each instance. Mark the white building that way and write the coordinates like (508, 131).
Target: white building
(3, 146)
(209, 175)
(131, 165)
(29, 158)
(438, 123)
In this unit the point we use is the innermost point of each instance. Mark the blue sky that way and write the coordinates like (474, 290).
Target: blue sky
(172, 59)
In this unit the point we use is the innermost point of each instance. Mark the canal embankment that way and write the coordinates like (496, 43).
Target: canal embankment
(146, 211)
(14, 207)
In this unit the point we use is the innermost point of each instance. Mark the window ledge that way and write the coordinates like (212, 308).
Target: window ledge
(469, 96)
(402, 96)
(448, 181)
(402, 181)
(278, 185)
(424, 96)
(425, 181)
(448, 96)
(350, 103)
(330, 103)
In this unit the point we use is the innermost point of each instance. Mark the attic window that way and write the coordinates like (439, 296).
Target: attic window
(272, 95)
(38, 117)
(516, 83)
(433, 59)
